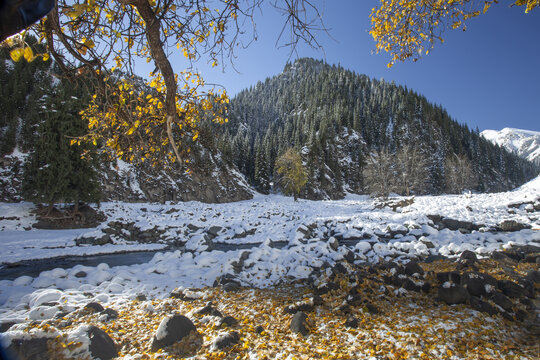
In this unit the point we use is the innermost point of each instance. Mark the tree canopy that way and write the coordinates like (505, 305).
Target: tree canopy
(153, 120)
(408, 29)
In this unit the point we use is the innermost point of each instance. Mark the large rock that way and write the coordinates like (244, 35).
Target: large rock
(299, 323)
(478, 284)
(29, 349)
(453, 294)
(512, 225)
(101, 345)
(172, 329)
(225, 340)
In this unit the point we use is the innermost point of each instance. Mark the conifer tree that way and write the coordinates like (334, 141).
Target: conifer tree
(56, 170)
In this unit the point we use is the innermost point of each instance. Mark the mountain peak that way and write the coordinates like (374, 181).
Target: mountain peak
(525, 143)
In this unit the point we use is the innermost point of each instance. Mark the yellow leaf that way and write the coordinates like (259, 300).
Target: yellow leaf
(16, 54)
(28, 54)
(46, 56)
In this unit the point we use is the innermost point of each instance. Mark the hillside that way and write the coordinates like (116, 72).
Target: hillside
(339, 119)
(524, 143)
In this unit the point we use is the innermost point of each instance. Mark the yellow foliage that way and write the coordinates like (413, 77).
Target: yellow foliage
(407, 28)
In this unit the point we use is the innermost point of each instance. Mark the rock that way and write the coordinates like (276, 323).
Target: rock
(317, 300)
(482, 306)
(302, 306)
(225, 340)
(333, 243)
(29, 349)
(94, 241)
(468, 255)
(4, 326)
(372, 309)
(228, 321)
(452, 276)
(110, 314)
(101, 345)
(299, 323)
(534, 276)
(325, 288)
(453, 294)
(349, 256)
(172, 329)
(512, 225)
(209, 310)
(214, 231)
(354, 300)
(426, 287)
(412, 267)
(500, 256)
(501, 300)
(259, 329)
(477, 284)
(80, 274)
(352, 322)
(409, 285)
(140, 297)
(94, 307)
(511, 289)
(231, 286)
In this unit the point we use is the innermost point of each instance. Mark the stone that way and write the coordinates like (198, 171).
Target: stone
(94, 307)
(110, 314)
(352, 322)
(512, 225)
(412, 267)
(101, 345)
(172, 329)
(372, 309)
(468, 255)
(29, 349)
(333, 243)
(225, 340)
(259, 329)
(409, 285)
(534, 276)
(228, 321)
(4, 326)
(299, 323)
(231, 286)
(80, 274)
(482, 306)
(452, 276)
(214, 231)
(501, 300)
(454, 294)
(140, 297)
(511, 289)
(476, 282)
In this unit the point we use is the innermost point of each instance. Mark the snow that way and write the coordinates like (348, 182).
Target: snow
(363, 228)
(524, 143)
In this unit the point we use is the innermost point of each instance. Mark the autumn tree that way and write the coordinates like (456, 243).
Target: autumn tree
(408, 29)
(459, 174)
(154, 122)
(291, 171)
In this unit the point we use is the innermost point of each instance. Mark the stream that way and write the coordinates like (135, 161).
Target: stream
(34, 267)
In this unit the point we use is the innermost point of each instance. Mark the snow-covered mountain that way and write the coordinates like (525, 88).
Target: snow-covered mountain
(524, 143)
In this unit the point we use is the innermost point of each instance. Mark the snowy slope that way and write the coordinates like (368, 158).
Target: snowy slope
(524, 143)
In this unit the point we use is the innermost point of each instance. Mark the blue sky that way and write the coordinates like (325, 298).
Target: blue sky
(487, 77)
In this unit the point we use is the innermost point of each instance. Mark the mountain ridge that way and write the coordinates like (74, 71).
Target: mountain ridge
(524, 143)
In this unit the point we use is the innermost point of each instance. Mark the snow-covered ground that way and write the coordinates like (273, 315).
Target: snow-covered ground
(313, 232)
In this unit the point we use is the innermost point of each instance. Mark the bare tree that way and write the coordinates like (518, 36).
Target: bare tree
(379, 173)
(459, 174)
(411, 174)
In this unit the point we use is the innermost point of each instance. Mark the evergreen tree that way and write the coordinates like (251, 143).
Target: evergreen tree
(56, 170)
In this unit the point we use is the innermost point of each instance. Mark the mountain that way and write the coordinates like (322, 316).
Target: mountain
(524, 143)
(342, 122)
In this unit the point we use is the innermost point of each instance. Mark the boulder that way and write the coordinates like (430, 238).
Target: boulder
(225, 340)
(477, 284)
(101, 345)
(412, 267)
(482, 306)
(512, 225)
(299, 323)
(110, 314)
(511, 289)
(228, 321)
(501, 300)
(94, 307)
(29, 349)
(452, 294)
(172, 329)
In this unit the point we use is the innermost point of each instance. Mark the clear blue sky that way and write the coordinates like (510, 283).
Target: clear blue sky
(488, 76)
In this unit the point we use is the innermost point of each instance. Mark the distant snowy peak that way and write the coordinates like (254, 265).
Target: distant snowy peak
(524, 143)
